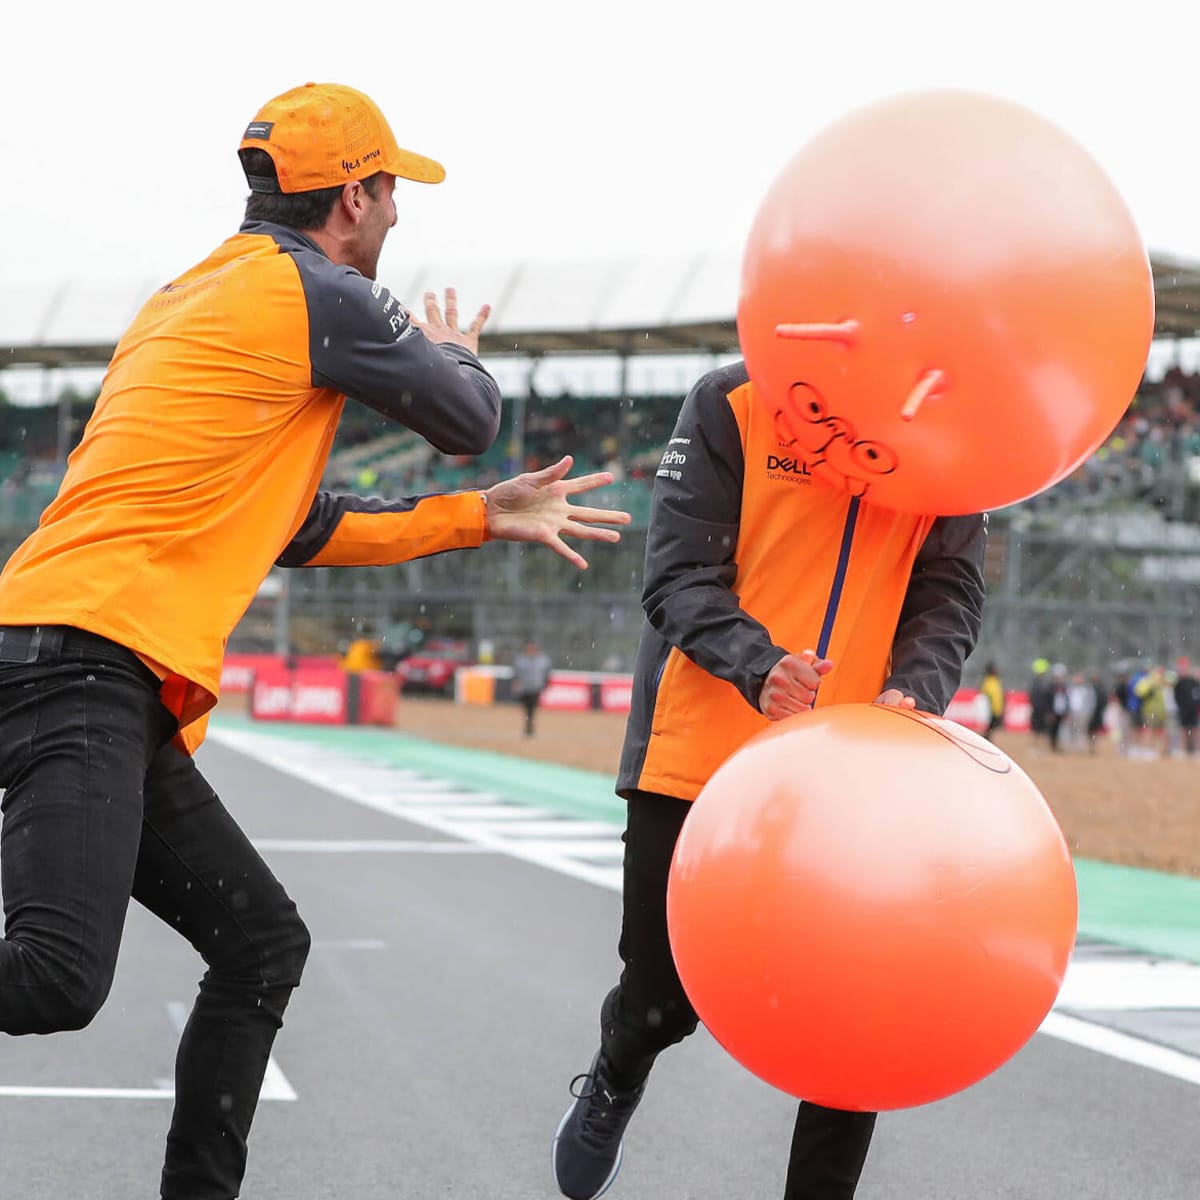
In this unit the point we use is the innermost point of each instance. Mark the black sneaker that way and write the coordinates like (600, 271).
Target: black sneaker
(588, 1148)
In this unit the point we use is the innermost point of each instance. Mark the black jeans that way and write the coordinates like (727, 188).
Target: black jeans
(529, 702)
(648, 1010)
(99, 807)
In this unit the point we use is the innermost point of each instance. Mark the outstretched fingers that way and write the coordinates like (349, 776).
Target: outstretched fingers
(600, 516)
(587, 533)
(553, 473)
(480, 321)
(563, 550)
(583, 483)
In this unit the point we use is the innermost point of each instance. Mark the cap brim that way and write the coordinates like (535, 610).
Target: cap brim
(407, 165)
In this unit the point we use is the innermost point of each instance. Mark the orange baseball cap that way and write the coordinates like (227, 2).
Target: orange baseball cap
(325, 134)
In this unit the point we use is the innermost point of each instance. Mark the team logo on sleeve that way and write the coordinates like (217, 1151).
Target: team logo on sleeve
(394, 312)
(402, 327)
(673, 459)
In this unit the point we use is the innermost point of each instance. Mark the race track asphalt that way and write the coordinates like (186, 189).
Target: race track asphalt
(462, 944)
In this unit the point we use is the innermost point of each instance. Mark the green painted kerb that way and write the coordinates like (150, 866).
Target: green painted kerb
(1147, 910)
(1144, 910)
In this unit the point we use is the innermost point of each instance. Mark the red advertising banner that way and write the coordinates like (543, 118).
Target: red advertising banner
(970, 708)
(1017, 712)
(567, 692)
(616, 694)
(238, 670)
(271, 692)
(374, 697)
(314, 695)
(313, 688)
(321, 696)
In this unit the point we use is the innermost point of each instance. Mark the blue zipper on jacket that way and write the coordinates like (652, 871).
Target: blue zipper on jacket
(839, 578)
(662, 666)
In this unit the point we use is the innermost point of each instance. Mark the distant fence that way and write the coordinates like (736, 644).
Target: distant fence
(314, 689)
(1095, 589)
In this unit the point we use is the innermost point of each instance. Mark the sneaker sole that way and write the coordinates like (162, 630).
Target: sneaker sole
(554, 1166)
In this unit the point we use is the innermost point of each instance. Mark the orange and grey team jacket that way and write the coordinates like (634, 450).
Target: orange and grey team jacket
(748, 558)
(199, 467)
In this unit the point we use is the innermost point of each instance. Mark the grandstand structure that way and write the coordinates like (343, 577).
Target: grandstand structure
(593, 358)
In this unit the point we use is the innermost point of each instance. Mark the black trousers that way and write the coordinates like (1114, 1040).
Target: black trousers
(648, 1010)
(529, 702)
(98, 807)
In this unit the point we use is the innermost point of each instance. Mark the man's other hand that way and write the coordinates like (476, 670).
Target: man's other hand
(534, 507)
(439, 328)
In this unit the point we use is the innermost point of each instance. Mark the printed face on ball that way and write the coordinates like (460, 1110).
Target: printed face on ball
(945, 302)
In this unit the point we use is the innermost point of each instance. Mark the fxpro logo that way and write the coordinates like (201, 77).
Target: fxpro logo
(788, 468)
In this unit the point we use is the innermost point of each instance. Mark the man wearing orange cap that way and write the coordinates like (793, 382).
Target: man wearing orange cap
(199, 470)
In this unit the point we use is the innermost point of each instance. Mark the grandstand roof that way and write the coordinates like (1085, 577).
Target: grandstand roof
(1176, 296)
(630, 306)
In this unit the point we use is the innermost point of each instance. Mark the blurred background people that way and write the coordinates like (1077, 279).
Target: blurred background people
(531, 674)
(993, 689)
(1187, 705)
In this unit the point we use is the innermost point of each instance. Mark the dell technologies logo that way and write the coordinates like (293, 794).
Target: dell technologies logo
(781, 466)
(786, 465)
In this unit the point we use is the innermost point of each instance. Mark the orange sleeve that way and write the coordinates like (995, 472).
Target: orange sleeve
(352, 531)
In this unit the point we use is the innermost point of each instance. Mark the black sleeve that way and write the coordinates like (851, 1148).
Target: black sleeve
(942, 612)
(363, 344)
(690, 545)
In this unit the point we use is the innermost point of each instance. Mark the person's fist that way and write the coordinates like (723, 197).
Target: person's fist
(791, 685)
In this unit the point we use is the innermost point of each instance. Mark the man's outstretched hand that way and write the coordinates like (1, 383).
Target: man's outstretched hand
(534, 508)
(439, 328)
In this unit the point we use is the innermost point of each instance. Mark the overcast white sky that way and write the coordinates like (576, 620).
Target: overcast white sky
(568, 130)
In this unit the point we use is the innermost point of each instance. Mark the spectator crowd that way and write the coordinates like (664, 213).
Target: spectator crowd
(1147, 711)
(1152, 455)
